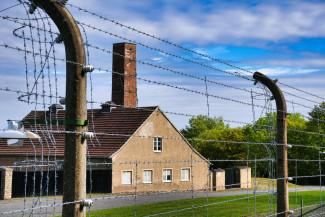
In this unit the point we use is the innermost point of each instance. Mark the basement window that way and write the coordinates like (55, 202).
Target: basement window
(157, 144)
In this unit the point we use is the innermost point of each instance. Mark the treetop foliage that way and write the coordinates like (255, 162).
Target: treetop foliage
(202, 123)
(216, 140)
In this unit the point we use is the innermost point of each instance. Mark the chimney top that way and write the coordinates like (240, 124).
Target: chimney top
(124, 43)
(53, 109)
(108, 106)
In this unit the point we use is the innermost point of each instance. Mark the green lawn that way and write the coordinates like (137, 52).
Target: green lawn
(218, 206)
(264, 183)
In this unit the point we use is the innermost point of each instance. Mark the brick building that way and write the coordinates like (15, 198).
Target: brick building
(134, 148)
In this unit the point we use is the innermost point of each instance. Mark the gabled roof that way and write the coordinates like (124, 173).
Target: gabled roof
(114, 129)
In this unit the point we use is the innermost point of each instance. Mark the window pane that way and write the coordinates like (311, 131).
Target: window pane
(185, 174)
(167, 175)
(157, 144)
(127, 177)
(147, 176)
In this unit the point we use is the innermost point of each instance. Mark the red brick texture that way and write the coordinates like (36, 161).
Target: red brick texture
(124, 87)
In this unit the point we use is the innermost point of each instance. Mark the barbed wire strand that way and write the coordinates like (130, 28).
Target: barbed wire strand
(159, 39)
(48, 136)
(179, 46)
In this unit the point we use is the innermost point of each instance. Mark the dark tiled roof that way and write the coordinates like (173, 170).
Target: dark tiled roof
(122, 121)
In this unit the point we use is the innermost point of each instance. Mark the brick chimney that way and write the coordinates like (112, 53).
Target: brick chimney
(124, 84)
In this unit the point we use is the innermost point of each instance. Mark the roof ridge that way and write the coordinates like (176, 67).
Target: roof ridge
(120, 124)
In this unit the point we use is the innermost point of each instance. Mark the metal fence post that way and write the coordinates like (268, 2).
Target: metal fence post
(282, 157)
(74, 187)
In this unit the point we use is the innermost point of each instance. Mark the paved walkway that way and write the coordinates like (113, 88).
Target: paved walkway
(52, 206)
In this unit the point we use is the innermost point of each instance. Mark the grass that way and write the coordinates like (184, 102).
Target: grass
(218, 206)
(264, 183)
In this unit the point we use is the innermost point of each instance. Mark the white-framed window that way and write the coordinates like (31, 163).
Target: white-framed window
(157, 144)
(167, 175)
(127, 178)
(147, 176)
(186, 174)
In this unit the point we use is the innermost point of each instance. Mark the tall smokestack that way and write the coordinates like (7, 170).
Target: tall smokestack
(124, 82)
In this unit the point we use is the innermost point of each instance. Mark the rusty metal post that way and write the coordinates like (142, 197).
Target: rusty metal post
(282, 158)
(74, 187)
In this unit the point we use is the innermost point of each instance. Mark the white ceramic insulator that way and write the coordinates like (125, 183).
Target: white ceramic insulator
(87, 202)
(289, 179)
(89, 68)
(289, 146)
(88, 135)
(291, 212)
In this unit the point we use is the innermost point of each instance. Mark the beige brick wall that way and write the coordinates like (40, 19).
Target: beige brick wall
(176, 155)
(243, 176)
(6, 183)
(218, 179)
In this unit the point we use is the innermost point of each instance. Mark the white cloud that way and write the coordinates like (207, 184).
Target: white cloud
(157, 59)
(235, 25)
(276, 71)
(240, 25)
(306, 62)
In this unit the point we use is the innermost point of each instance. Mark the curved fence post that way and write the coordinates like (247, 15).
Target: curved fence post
(282, 157)
(74, 186)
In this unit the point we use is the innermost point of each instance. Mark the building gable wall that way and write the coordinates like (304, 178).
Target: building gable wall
(138, 155)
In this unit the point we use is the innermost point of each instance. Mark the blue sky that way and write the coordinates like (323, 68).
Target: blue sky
(281, 34)
(282, 39)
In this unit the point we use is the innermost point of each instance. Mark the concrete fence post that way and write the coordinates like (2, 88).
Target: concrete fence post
(282, 157)
(74, 187)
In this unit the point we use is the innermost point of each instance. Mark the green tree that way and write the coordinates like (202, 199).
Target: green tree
(299, 155)
(217, 142)
(316, 130)
(302, 156)
(258, 147)
(202, 123)
(221, 144)
(317, 118)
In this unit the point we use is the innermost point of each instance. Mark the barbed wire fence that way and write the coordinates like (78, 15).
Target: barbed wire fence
(207, 85)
